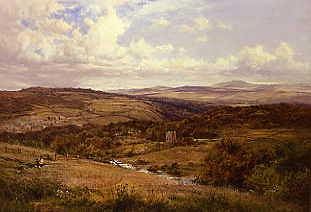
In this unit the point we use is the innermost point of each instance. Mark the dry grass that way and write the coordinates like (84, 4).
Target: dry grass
(74, 108)
(79, 172)
(104, 177)
(188, 158)
(124, 107)
(181, 154)
(281, 134)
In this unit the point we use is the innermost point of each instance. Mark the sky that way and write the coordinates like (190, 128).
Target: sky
(114, 44)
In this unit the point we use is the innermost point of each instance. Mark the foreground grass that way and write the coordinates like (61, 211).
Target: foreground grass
(42, 195)
(82, 185)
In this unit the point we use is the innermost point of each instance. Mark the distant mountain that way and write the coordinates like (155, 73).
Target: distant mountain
(235, 84)
(139, 90)
(232, 93)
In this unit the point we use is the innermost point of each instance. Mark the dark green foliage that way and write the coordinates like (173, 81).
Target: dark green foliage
(87, 141)
(20, 195)
(231, 161)
(172, 169)
(208, 124)
(125, 199)
(294, 156)
(278, 170)
(93, 141)
(128, 199)
(26, 190)
(293, 186)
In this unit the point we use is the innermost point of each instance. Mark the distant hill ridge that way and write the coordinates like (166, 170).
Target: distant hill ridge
(232, 93)
(235, 83)
(36, 108)
(46, 89)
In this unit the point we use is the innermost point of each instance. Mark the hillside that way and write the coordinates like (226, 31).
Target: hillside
(232, 93)
(222, 148)
(212, 123)
(73, 184)
(37, 108)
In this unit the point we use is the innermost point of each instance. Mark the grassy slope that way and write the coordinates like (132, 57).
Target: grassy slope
(102, 177)
(189, 158)
(33, 108)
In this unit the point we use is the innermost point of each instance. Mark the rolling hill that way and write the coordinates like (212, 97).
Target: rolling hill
(231, 93)
(72, 130)
(37, 108)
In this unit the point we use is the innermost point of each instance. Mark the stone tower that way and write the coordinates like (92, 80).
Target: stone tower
(171, 136)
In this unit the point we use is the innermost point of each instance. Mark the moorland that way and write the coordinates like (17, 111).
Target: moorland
(238, 147)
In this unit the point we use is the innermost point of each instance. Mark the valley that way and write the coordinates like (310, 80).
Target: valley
(73, 149)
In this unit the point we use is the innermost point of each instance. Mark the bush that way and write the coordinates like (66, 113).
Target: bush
(26, 190)
(277, 170)
(125, 198)
(228, 163)
(172, 169)
(292, 186)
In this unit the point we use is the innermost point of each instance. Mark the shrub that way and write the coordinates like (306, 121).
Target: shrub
(125, 198)
(172, 169)
(26, 190)
(154, 168)
(292, 186)
(228, 163)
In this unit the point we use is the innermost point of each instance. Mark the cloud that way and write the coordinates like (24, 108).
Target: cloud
(281, 59)
(151, 7)
(42, 37)
(161, 22)
(223, 26)
(167, 48)
(56, 26)
(17, 14)
(141, 49)
(225, 63)
(284, 52)
(202, 39)
(253, 61)
(198, 24)
(255, 57)
(201, 23)
(147, 55)
(101, 40)
(186, 28)
(85, 43)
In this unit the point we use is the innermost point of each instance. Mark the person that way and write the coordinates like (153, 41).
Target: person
(41, 161)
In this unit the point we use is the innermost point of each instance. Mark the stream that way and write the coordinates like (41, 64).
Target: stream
(178, 180)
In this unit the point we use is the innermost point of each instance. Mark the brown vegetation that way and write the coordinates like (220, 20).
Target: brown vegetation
(264, 149)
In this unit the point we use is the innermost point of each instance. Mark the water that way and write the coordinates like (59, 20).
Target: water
(178, 180)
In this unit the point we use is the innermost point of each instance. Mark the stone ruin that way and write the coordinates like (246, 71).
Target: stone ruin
(171, 136)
